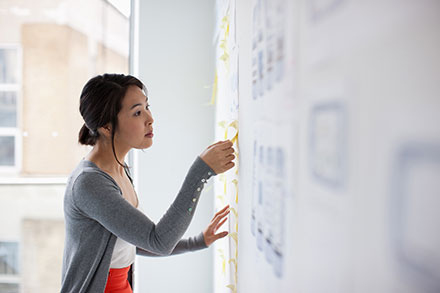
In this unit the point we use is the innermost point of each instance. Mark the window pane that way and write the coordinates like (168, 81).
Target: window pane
(9, 288)
(8, 258)
(7, 155)
(8, 65)
(8, 109)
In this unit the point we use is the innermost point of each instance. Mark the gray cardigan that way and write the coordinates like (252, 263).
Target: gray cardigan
(96, 214)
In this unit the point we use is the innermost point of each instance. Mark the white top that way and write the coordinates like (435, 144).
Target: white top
(123, 254)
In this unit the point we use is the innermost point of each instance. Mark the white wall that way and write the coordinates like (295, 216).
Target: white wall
(176, 63)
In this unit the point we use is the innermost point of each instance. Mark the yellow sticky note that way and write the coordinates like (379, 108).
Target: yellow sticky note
(234, 236)
(224, 57)
(221, 198)
(234, 124)
(223, 44)
(222, 178)
(235, 181)
(235, 138)
(232, 287)
(234, 212)
(222, 124)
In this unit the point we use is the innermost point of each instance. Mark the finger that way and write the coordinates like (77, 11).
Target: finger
(221, 235)
(226, 145)
(217, 143)
(229, 150)
(230, 157)
(226, 153)
(229, 166)
(222, 210)
(227, 141)
(218, 217)
(220, 224)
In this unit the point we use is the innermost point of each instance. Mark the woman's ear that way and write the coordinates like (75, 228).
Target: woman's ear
(105, 130)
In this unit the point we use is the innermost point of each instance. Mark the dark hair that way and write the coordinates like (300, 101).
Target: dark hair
(100, 103)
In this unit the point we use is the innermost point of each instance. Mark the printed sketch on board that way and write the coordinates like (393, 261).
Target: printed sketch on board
(415, 202)
(269, 191)
(319, 9)
(268, 45)
(328, 148)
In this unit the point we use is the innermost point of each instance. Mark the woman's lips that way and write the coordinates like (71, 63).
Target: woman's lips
(150, 135)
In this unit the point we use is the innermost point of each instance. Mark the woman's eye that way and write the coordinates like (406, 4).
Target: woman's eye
(138, 113)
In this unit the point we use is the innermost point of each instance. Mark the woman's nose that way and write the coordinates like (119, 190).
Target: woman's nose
(149, 119)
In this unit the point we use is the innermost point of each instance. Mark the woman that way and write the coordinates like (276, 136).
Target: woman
(104, 228)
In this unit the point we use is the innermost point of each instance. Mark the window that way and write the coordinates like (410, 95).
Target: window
(48, 50)
(9, 270)
(9, 92)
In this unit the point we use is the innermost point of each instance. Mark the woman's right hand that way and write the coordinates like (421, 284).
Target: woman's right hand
(219, 156)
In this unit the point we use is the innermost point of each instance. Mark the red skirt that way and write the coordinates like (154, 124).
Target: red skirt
(117, 281)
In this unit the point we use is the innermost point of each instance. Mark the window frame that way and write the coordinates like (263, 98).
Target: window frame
(12, 279)
(14, 131)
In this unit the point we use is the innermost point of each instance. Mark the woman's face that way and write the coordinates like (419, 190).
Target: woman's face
(135, 122)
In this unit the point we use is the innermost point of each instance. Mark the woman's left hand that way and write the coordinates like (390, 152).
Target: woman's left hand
(216, 222)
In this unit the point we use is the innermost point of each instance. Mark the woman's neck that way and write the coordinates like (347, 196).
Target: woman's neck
(102, 155)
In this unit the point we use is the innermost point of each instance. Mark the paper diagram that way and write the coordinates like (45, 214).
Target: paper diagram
(269, 191)
(415, 217)
(328, 149)
(268, 45)
(321, 8)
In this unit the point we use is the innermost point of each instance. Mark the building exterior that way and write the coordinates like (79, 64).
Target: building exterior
(47, 53)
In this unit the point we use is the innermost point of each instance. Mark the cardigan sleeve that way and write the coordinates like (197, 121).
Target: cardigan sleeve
(184, 245)
(97, 196)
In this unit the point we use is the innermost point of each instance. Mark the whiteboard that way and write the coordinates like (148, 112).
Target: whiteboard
(339, 142)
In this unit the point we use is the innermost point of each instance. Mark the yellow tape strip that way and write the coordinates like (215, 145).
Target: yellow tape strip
(234, 212)
(235, 181)
(234, 236)
(232, 287)
(214, 89)
(222, 199)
